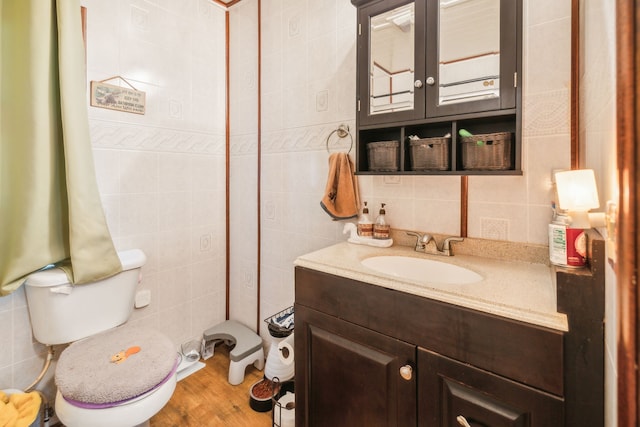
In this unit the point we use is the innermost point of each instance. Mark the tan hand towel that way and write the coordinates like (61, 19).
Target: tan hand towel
(341, 199)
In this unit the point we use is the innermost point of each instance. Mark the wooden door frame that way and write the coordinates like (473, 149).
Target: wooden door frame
(627, 242)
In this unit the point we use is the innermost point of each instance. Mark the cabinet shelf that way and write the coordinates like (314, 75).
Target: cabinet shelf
(505, 123)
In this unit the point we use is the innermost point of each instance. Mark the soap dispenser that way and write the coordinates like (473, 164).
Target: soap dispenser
(381, 228)
(365, 226)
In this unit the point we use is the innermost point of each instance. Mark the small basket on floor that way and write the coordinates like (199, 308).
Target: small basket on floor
(490, 151)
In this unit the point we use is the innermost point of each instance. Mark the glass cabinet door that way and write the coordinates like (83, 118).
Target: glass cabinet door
(391, 44)
(471, 56)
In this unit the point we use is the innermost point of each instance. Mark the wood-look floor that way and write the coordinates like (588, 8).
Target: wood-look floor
(206, 399)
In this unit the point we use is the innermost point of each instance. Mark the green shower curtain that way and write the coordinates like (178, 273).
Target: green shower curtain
(50, 208)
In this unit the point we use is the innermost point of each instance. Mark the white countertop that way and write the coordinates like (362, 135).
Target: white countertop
(516, 290)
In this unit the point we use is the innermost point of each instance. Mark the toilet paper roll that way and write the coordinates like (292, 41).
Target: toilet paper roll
(285, 351)
(282, 416)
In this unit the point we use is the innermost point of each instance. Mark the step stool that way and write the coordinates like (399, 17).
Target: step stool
(247, 349)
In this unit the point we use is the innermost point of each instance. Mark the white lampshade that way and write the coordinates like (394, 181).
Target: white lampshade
(577, 190)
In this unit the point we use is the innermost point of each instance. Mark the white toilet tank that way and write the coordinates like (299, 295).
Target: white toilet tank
(62, 313)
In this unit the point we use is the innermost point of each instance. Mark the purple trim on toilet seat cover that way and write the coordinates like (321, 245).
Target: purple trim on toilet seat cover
(86, 405)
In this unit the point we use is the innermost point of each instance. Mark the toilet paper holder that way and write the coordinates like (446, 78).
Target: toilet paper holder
(283, 413)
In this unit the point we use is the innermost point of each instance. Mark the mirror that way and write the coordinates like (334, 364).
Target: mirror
(391, 60)
(468, 50)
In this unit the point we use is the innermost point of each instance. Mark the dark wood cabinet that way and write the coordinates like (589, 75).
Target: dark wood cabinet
(353, 374)
(371, 356)
(437, 74)
(452, 393)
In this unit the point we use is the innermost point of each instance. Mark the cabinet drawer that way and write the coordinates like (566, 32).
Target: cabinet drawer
(450, 390)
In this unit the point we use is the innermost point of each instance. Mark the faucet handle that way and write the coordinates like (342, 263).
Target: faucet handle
(446, 245)
(419, 239)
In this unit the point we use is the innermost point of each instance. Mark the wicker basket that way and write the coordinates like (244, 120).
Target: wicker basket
(490, 151)
(383, 156)
(430, 154)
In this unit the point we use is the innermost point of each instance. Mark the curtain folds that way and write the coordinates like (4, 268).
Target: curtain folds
(50, 207)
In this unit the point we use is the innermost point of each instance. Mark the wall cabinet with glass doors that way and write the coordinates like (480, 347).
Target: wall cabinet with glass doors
(428, 69)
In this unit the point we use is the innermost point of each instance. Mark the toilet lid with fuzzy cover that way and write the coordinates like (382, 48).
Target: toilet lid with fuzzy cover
(115, 366)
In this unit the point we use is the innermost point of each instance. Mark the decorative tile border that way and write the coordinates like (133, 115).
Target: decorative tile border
(309, 138)
(124, 136)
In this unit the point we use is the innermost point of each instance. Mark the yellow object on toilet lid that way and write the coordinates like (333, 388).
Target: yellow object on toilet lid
(85, 373)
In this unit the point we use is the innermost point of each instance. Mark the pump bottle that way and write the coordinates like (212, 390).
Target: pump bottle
(381, 228)
(365, 226)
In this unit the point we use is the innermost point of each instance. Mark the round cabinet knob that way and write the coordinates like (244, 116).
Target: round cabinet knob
(431, 81)
(417, 83)
(406, 372)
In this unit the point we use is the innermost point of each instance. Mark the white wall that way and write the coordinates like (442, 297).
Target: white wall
(598, 136)
(160, 175)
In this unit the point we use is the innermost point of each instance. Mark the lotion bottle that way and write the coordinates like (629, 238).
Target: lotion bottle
(381, 228)
(365, 226)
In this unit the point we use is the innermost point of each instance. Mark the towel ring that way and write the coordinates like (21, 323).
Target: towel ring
(342, 131)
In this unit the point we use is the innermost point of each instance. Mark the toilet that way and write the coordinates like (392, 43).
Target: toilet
(112, 374)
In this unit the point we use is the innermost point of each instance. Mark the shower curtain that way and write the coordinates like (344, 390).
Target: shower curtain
(50, 208)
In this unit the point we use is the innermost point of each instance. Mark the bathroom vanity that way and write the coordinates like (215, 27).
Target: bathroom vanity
(381, 351)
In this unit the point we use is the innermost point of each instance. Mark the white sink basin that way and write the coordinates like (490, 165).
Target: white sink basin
(421, 270)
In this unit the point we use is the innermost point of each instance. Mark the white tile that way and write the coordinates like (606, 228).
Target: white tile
(442, 217)
(138, 213)
(6, 335)
(174, 287)
(174, 172)
(498, 189)
(547, 50)
(137, 172)
(175, 210)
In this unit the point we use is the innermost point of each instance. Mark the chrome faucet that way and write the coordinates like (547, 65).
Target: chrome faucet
(446, 245)
(423, 240)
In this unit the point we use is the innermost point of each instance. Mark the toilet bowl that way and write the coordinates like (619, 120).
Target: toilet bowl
(112, 374)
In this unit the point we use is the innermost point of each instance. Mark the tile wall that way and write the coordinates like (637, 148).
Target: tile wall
(160, 175)
(308, 90)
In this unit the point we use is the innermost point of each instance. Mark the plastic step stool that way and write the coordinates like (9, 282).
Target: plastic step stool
(247, 347)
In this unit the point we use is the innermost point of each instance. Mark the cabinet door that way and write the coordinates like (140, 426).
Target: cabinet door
(454, 394)
(472, 56)
(391, 65)
(349, 376)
